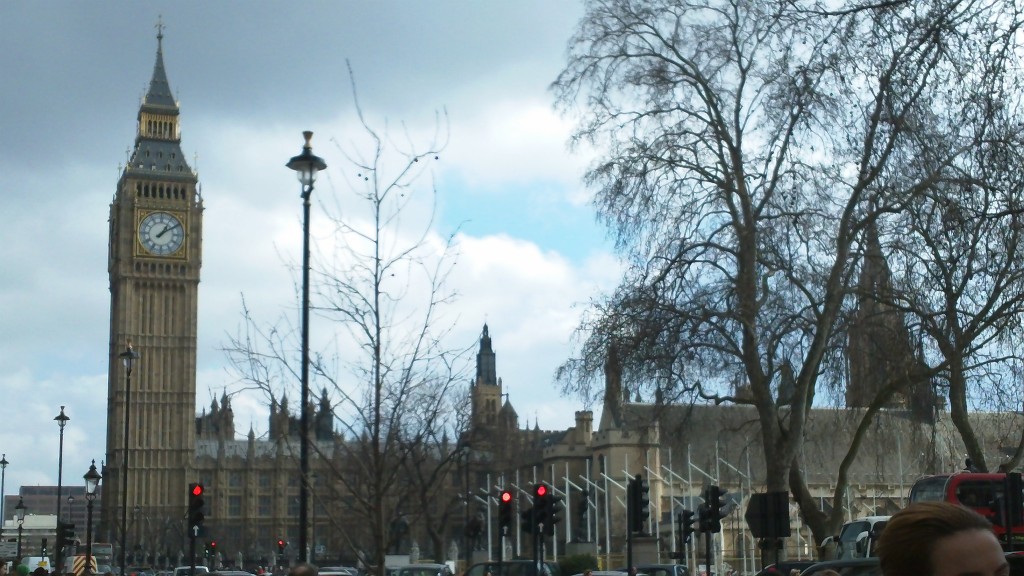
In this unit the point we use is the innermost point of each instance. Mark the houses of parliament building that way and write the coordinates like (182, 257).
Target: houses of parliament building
(252, 483)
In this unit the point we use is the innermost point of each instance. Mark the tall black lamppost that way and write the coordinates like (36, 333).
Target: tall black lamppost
(92, 482)
(62, 421)
(3, 477)
(20, 511)
(128, 358)
(306, 165)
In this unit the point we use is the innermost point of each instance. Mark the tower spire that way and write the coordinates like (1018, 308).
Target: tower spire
(157, 142)
(159, 93)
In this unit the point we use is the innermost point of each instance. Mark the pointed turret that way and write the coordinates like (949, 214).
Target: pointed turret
(486, 372)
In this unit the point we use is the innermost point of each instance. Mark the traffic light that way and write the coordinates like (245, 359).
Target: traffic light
(553, 514)
(213, 547)
(280, 546)
(504, 511)
(195, 508)
(638, 506)
(686, 521)
(526, 522)
(715, 505)
(540, 504)
(65, 535)
(643, 503)
(1014, 499)
(704, 518)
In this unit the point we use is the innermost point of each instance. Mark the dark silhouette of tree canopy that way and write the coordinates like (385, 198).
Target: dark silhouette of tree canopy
(747, 150)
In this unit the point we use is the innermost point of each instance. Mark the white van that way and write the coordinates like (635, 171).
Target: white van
(858, 537)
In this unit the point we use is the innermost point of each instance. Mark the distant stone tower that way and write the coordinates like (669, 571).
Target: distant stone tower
(154, 260)
(879, 348)
(486, 393)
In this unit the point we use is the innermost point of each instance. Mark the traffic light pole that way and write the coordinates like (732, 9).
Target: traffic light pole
(192, 552)
(630, 521)
(501, 549)
(707, 552)
(538, 541)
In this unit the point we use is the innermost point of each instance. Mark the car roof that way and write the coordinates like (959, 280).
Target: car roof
(849, 567)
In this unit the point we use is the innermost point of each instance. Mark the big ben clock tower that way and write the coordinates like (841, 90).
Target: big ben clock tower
(153, 262)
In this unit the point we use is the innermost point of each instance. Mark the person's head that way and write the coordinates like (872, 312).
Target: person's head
(940, 539)
(303, 569)
(22, 570)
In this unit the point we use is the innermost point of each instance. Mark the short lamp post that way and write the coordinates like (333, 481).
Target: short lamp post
(92, 482)
(306, 165)
(20, 511)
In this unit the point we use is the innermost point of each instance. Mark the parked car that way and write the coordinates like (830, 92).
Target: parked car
(660, 569)
(512, 568)
(424, 570)
(849, 567)
(185, 570)
(338, 571)
(784, 568)
(231, 573)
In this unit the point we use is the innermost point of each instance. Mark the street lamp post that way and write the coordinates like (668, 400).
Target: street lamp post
(62, 421)
(306, 165)
(20, 511)
(92, 482)
(128, 358)
(3, 494)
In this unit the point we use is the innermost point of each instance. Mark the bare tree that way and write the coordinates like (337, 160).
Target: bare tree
(960, 253)
(393, 376)
(749, 148)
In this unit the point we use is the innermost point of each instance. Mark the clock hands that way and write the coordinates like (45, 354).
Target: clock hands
(168, 229)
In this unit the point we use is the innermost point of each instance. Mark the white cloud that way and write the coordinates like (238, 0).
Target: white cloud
(244, 107)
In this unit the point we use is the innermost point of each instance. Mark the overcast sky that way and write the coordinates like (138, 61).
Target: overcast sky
(250, 77)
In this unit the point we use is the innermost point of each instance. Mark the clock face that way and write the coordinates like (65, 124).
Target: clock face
(161, 233)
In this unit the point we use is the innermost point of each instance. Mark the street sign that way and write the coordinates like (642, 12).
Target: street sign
(768, 515)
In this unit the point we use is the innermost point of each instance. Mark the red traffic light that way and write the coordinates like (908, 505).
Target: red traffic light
(541, 490)
(506, 496)
(197, 489)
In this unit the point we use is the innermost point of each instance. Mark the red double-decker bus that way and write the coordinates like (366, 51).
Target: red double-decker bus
(984, 492)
